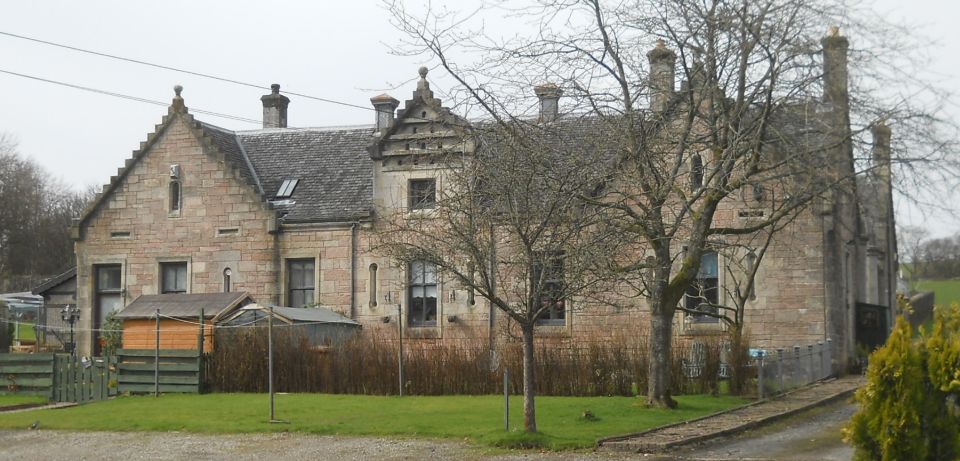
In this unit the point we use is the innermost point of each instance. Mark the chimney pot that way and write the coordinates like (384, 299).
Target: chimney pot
(549, 95)
(662, 75)
(275, 108)
(385, 106)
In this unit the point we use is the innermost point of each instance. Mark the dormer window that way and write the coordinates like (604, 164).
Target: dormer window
(286, 189)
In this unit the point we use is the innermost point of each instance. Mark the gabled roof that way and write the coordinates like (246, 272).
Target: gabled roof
(215, 141)
(212, 305)
(55, 281)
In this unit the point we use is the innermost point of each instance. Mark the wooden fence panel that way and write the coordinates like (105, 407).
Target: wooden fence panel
(27, 374)
(179, 371)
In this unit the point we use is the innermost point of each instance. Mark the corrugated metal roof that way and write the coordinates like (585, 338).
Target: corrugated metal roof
(213, 305)
(305, 314)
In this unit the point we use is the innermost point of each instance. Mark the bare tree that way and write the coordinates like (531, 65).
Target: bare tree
(765, 110)
(507, 225)
(911, 241)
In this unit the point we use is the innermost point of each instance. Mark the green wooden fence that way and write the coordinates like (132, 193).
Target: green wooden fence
(27, 374)
(82, 381)
(180, 370)
(58, 377)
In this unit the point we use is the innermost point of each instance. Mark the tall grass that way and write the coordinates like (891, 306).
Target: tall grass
(368, 364)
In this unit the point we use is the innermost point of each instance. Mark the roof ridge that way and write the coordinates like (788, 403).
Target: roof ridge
(253, 171)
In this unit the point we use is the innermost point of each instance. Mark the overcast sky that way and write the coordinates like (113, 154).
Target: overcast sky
(328, 49)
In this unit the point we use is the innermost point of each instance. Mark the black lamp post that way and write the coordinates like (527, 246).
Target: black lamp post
(70, 313)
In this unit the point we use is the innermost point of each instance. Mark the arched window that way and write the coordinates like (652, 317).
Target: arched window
(175, 196)
(696, 172)
(227, 273)
(373, 285)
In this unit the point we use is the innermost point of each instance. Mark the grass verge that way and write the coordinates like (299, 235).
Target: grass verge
(946, 292)
(9, 400)
(475, 418)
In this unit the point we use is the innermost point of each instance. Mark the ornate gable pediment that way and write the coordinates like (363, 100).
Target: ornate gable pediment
(423, 127)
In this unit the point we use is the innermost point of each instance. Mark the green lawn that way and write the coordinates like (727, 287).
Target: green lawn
(946, 291)
(7, 400)
(475, 418)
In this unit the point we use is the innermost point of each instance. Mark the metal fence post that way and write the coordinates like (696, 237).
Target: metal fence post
(797, 367)
(780, 367)
(820, 348)
(760, 374)
(811, 377)
(506, 398)
(156, 360)
(829, 357)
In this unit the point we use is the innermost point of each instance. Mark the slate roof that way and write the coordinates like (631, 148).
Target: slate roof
(55, 281)
(333, 167)
(213, 305)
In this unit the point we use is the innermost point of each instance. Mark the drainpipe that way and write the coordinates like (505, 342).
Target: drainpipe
(491, 322)
(276, 260)
(353, 269)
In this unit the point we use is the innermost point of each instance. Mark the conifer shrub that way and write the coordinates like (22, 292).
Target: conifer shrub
(907, 408)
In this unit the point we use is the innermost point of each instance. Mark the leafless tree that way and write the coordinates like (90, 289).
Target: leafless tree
(765, 112)
(911, 241)
(508, 226)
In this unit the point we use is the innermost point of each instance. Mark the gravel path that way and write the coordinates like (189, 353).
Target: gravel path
(811, 435)
(128, 446)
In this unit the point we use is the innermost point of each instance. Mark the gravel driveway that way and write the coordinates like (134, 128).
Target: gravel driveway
(128, 446)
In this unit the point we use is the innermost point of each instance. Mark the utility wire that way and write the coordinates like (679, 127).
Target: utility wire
(128, 97)
(184, 71)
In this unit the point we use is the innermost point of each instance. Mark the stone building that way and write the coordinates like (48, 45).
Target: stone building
(288, 215)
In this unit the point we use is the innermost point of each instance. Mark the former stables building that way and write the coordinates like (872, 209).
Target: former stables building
(288, 215)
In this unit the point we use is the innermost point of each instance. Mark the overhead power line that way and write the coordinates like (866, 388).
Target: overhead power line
(126, 96)
(177, 69)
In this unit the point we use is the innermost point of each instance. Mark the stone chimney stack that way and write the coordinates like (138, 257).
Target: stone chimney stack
(662, 75)
(881, 152)
(274, 108)
(549, 95)
(386, 107)
(835, 73)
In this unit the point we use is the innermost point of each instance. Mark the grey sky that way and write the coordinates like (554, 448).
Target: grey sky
(327, 49)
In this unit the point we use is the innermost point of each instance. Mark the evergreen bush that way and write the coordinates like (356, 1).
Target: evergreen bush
(907, 408)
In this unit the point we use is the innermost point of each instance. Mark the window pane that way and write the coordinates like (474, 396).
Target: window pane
(429, 273)
(173, 277)
(708, 265)
(108, 277)
(107, 303)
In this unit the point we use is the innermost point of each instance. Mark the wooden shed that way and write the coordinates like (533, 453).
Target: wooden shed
(180, 319)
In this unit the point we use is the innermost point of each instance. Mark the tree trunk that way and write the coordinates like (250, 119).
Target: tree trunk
(658, 372)
(529, 410)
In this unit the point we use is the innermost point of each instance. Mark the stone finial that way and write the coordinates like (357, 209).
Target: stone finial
(833, 31)
(178, 105)
(275, 88)
(423, 86)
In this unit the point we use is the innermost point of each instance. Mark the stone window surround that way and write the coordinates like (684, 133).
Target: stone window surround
(688, 324)
(284, 279)
(178, 211)
(158, 271)
(415, 207)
